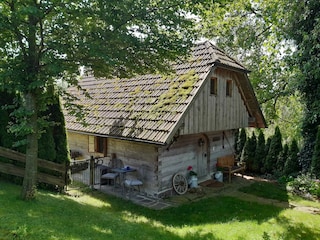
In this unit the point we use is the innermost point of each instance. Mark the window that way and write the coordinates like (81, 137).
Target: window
(213, 86)
(99, 144)
(229, 88)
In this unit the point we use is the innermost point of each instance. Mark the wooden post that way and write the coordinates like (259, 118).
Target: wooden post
(92, 177)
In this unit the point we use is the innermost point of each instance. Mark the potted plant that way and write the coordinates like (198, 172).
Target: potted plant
(192, 176)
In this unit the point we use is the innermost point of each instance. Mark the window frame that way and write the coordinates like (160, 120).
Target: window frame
(214, 86)
(229, 84)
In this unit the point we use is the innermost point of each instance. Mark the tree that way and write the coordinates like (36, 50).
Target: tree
(292, 166)
(304, 29)
(274, 151)
(268, 143)
(315, 164)
(253, 32)
(42, 41)
(248, 153)
(283, 156)
(240, 142)
(260, 153)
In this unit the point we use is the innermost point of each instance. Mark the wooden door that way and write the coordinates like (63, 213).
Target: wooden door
(202, 157)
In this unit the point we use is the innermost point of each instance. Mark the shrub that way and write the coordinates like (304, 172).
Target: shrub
(305, 185)
(241, 139)
(274, 151)
(248, 153)
(292, 166)
(315, 163)
(283, 156)
(260, 153)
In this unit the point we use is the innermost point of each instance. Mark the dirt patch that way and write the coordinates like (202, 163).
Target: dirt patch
(310, 210)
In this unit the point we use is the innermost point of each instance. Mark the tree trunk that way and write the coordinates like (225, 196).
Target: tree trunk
(30, 177)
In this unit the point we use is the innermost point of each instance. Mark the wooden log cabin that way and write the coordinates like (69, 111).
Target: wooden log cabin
(167, 122)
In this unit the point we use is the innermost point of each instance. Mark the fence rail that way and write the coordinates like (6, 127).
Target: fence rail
(13, 169)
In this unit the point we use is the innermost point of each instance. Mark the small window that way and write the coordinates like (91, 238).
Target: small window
(229, 88)
(99, 144)
(213, 86)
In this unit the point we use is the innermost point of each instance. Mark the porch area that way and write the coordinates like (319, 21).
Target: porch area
(84, 177)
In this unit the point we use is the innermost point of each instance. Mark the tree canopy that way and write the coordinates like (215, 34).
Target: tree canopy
(42, 41)
(254, 32)
(304, 28)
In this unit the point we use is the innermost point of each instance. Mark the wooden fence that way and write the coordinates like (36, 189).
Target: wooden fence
(12, 169)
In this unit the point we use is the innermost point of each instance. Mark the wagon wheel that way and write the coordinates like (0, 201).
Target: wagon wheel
(179, 183)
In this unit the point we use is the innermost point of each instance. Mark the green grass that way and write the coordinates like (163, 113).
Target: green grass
(94, 215)
(267, 190)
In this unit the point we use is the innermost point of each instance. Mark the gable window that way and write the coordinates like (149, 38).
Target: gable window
(229, 88)
(213, 86)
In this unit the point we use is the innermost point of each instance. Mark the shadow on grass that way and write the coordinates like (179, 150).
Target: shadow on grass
(268, 190)
(298, 230)
(60, 217)
(108, 217)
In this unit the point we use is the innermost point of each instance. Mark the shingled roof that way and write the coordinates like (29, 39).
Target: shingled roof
(147, 108)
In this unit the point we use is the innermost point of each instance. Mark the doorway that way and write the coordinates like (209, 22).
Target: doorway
(202, 156)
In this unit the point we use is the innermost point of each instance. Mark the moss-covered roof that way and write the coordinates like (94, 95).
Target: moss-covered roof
(148, 107)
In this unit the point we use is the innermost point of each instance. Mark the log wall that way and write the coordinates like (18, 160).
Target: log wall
(186, 152)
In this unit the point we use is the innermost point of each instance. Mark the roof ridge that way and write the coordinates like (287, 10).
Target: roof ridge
(211, 49)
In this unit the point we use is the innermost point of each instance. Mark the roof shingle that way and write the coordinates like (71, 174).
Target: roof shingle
(145, 108)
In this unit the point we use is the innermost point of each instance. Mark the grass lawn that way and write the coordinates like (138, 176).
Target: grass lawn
(94, 215)
(267, 190)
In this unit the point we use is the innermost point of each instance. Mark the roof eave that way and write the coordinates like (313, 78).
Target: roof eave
(241, 70)
(119, 137)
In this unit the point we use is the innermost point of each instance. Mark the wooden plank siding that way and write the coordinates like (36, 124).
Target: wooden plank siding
(177, 158)
(224, 112)
(183, 153)
(134, 154)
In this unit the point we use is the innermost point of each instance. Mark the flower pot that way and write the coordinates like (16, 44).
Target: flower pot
(193, 182)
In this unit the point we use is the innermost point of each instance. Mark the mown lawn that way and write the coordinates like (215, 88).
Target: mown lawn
(94, 215)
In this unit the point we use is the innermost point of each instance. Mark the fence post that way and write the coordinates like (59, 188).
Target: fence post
(92, 177)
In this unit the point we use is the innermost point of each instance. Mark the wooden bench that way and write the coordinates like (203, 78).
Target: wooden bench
(230, 166)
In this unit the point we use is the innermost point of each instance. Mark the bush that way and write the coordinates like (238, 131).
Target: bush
(248, 153)
(292, 166)
(305, 185)
(240, 141)
(274, 151)
(260, 153)
(283, 156)
(315, 163)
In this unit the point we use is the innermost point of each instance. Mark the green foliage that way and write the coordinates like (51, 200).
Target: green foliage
(260, 153)
(53, 141)
(292, 166)
(304, 28)
(282, 159)
(267, 190)
(45, 41)
(93, 215)
(240, 141)
(253, 32)
(305, 185)
(248, 153)
(315, 164)
(274, 151)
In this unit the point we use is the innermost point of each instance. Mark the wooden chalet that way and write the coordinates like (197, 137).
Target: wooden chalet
(168, 122)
